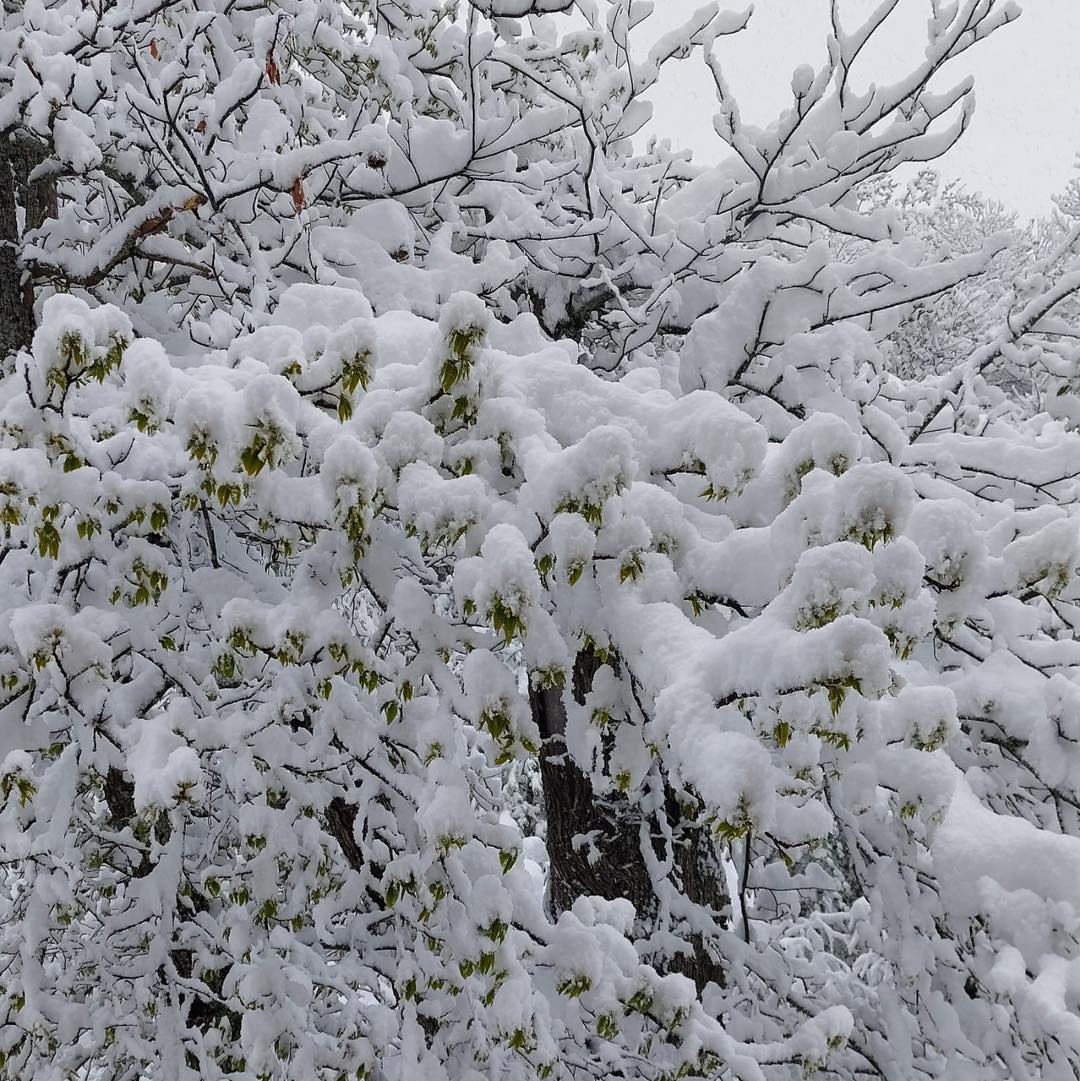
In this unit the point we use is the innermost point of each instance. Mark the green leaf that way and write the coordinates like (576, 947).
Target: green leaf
(251, 461)
(48, 538)
(574, 986)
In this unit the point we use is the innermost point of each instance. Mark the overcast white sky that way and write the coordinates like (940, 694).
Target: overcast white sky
(1023, 144)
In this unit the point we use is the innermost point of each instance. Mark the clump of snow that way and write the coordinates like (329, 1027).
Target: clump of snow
(165, 769)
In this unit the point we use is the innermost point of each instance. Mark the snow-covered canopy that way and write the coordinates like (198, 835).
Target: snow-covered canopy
(401, 435)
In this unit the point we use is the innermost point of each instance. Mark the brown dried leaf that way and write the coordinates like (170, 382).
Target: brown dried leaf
(154, 224)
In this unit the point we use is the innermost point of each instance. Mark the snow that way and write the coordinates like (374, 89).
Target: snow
(973, 845)
(166, 769)
(437, 439)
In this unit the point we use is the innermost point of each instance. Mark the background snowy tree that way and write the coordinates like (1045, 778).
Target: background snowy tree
(948, 220)
(938, 332)
(392, 421)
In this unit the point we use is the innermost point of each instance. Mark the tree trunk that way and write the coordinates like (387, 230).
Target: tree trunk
(610, 862)
(203, 1013)
(16, 302)
(39, 196)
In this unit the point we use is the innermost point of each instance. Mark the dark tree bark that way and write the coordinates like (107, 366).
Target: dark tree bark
(340, 817)
(16, 302)
(701, 879)
(38, 193)
(613, 865)
(203, 1013)
(573, 809)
